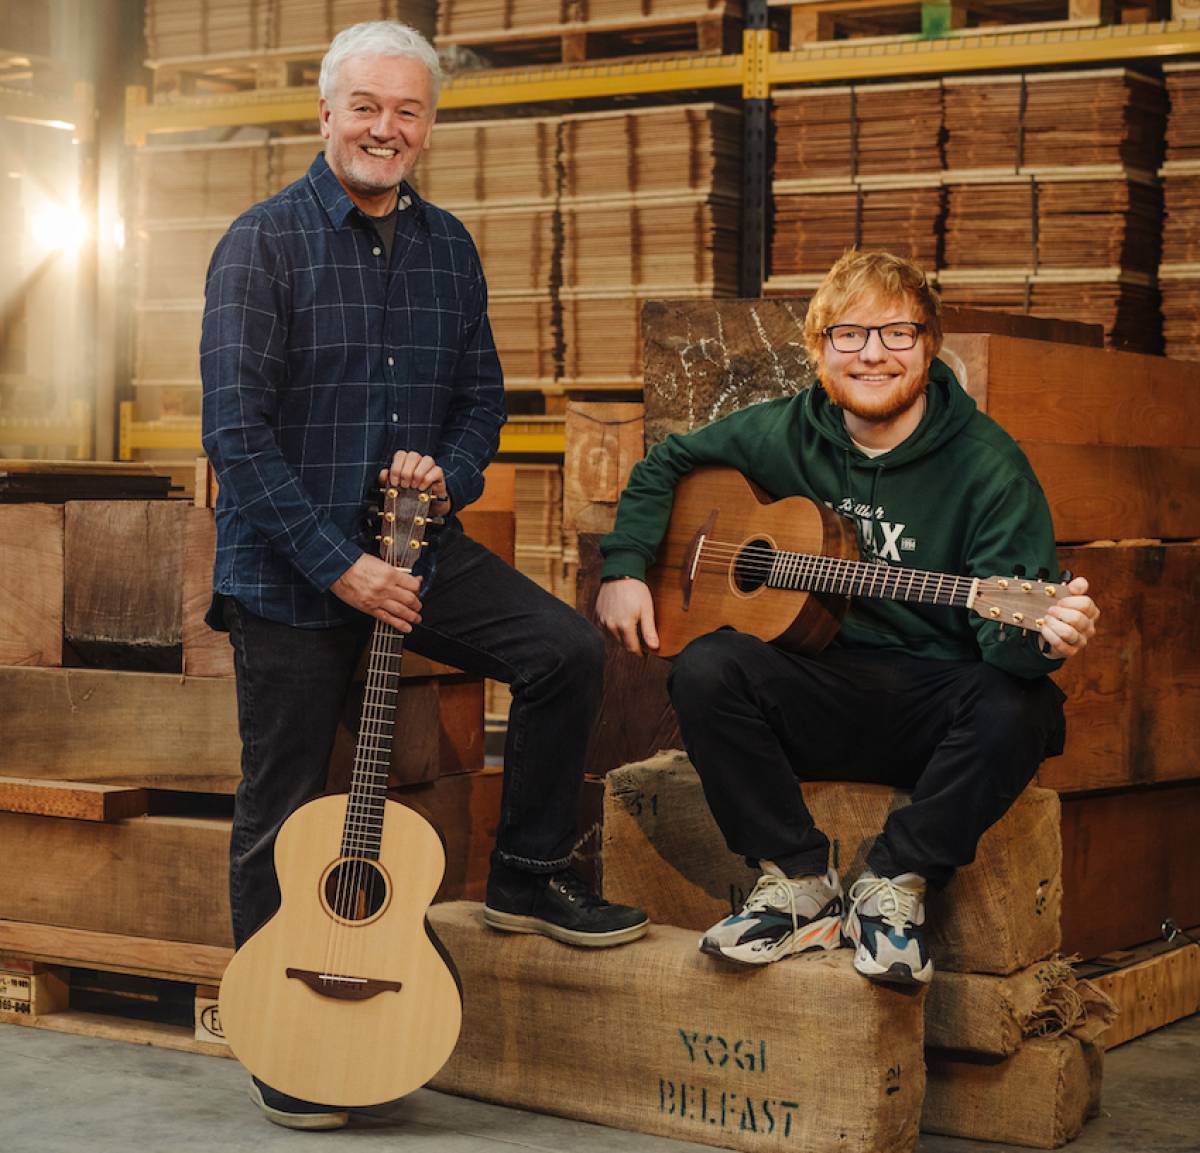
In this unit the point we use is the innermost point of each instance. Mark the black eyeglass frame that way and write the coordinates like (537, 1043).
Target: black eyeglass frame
(870, 328)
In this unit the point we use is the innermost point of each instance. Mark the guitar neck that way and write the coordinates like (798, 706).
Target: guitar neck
(363, 829)
(821, 574)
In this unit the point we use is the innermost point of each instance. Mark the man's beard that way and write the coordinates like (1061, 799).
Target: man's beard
(884, 407)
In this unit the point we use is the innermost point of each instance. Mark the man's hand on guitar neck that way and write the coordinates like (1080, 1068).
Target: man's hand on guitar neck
(380, 590)
(1071, 622)
(624, 609)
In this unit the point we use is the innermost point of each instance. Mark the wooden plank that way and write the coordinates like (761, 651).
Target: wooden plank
(31, 584)
(81, 801)
(206, 652)
(603, 442)
(159, 1034)
(123, 577)
(162, 877)
(1133, 695)
(1130, 399)
(1113, 492)
(1128, 862)
(1152, 992)
(151, 730)
(172, 960)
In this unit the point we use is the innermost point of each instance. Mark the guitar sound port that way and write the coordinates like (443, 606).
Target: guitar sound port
(752, 565)
(355, 889)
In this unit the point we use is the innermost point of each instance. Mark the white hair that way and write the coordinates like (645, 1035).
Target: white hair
(379, 38)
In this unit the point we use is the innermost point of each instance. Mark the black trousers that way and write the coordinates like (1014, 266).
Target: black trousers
(481, 615)
(964, 736)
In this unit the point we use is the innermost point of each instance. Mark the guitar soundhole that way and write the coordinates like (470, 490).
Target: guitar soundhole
(752, 566)
(355, 890)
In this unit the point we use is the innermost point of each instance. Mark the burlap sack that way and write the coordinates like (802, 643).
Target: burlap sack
(663, 852)
(1039, 1097)
(992, 1016)
(656, 1037)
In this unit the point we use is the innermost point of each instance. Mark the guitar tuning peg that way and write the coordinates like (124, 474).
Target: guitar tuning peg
(1066, 576)
(1043, 574)
(435, 520)
(1018, 570)
(1000, 633)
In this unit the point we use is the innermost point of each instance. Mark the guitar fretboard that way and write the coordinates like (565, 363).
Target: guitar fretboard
(804, 571)
(362, 832)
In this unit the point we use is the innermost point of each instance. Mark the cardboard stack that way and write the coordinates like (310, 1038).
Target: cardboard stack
(1179, 272)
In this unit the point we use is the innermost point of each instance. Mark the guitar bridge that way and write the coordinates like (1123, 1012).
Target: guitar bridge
(341, 987)
(691, 562)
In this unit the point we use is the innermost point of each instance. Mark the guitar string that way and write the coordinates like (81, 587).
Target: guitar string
(758, 561)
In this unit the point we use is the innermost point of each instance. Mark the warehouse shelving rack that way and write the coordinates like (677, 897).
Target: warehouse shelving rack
(756, 71)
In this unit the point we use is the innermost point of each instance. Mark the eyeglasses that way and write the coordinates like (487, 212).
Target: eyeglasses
(896, 337)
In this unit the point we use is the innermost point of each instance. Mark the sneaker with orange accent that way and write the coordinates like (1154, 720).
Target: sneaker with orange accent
(782, 916)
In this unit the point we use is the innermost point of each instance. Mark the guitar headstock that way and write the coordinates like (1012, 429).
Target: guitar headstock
(1016, 600)
(403, 522)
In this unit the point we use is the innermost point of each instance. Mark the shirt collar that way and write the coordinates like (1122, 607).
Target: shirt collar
(336, 202)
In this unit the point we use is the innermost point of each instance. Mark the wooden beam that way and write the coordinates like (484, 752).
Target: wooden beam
(1152, 991)
(31, 584)
(79, 800)
(150, 730)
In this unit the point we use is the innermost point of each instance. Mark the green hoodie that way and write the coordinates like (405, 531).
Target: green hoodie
(957, 496)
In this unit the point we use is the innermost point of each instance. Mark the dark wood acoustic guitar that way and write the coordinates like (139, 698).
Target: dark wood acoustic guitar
(343, 997)
(784, 571)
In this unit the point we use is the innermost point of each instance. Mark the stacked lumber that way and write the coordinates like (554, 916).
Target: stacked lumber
(548, 31)
(1179, 272)
(500, 178)
(845, 178)
(102, 605)
(222, 28)
(1050, 179)
(998, 994)
(649, 203)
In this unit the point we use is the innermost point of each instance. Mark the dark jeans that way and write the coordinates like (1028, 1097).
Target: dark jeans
(482, 616)
(964, 736)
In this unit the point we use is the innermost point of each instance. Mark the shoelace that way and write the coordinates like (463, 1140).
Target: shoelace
(897, 905)
(773, 892)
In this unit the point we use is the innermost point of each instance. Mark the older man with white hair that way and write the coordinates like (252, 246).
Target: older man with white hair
(346, 344)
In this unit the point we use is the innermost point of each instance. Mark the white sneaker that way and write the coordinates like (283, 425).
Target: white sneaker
(886, 926)
(782, 916)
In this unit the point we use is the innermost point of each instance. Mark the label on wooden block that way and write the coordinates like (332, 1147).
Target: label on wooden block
(30, 991)
(208, 1017)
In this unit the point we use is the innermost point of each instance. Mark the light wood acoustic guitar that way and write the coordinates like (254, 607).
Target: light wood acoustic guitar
(784, 570)
(344, 997)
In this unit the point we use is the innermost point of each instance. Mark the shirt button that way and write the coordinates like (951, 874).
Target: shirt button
(377, 251)
(391, 361)
(395, 417)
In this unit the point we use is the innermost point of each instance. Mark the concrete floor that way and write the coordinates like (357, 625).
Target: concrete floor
(67, 1094)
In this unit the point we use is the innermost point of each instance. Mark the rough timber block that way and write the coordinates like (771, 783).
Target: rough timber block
(29, 989)
(658, 1038)
(1040, 1097)
(31, 584)
(664, 852)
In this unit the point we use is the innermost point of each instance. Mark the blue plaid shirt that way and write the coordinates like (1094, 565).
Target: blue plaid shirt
(320, 361)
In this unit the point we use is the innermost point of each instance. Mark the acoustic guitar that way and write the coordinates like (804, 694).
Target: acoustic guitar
(344, 997)
(784, 570)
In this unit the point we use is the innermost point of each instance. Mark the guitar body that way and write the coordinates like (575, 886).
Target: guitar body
(727, 508)
(389, 1028)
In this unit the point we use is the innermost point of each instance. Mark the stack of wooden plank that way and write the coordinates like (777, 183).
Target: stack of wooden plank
(548, 31)
(116, 825)
(649, 205)
(1052, 202)
(1179, 272)
(500, 178)
(185, 198)
(221, 28)
(845, 178)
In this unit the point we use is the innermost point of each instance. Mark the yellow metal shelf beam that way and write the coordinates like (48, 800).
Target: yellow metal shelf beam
(1108, 44)
(755, 72)
(182, 434)
(44, 111)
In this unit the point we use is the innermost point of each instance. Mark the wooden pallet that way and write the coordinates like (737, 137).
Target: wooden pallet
(809, 22)
(235, 72)
(711, 26)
